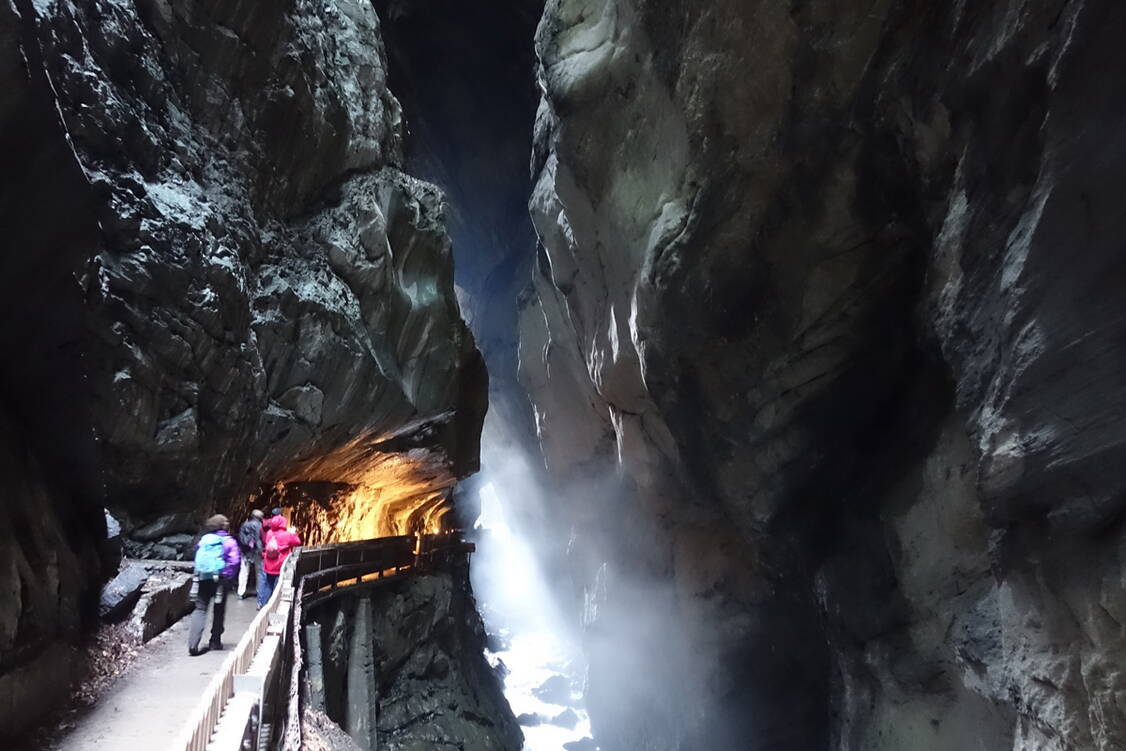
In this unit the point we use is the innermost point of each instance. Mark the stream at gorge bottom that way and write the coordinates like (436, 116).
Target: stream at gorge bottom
(531, 644)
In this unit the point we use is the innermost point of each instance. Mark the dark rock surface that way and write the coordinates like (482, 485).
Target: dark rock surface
(416, 644)
(830, 295)
(555, 690)
(319, 733)
(266, 287)
(584, 744)
(565, 719)
(225, 280)
(49, 570)
(165, 599)
(152, 594)
(51, 520)
(120, 593)
(465, 76)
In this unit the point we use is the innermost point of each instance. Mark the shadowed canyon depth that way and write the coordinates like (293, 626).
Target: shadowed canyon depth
(628, 375)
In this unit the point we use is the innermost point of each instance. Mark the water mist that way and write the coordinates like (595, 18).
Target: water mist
(534, 637)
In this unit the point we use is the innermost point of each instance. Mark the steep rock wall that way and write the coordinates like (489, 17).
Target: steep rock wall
(465, 74)
(830, 292)
(404, 667)
(226, 279)
(48, 569)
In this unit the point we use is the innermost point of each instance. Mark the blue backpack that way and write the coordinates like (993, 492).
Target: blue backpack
(209, 559)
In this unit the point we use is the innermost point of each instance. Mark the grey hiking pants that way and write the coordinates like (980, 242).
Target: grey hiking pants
(208, 591)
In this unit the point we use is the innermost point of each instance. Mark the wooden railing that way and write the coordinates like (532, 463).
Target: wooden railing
(254, 700)
(197, 732)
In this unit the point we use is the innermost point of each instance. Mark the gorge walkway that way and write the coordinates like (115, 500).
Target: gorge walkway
(247, 696)
(147, 705)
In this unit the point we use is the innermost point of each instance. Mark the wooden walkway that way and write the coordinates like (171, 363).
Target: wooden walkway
(146, 708)
(248, 692)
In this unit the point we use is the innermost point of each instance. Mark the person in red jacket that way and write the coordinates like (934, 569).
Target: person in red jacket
(280, 542)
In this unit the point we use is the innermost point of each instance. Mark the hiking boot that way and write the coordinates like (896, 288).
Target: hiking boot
(193, 652)
(215, 645)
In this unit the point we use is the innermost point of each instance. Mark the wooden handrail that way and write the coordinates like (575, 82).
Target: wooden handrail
(319, 567)
(196, 732)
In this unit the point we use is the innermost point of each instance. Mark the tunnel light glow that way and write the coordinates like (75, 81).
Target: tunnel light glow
(378, 494)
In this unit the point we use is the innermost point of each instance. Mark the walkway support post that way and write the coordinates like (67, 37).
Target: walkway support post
(359, 710)
(315, 666)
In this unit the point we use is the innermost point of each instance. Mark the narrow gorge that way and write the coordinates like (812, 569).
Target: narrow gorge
(787, 334)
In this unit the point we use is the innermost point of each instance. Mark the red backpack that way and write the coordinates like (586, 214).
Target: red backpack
(273, 550)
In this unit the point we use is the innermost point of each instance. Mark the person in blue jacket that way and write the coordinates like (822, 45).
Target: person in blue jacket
(217, 561)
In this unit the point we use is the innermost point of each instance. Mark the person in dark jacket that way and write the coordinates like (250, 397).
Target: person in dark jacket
(250, 545)
(217, 562)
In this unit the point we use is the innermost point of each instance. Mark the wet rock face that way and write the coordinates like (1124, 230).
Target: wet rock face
(404, 668)
(446, 60)
(465, 74)
(831, 289)
(48, 587)
(270, 287)
(121, 593)
(227, 280)
(262, 285)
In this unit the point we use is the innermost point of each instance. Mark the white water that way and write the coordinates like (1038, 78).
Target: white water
(517, 604)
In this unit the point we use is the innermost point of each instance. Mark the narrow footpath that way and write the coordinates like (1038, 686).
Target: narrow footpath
(150, 702)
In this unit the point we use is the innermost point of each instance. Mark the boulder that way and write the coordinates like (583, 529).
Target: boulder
(554, 690)
(583, 744)
(565, 719)
(113, 527)
(164, 526)
(497, 642)
(163, 552)
(164, 600)
(121, 593)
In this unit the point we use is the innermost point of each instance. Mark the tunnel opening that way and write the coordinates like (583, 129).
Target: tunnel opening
(325, 513)
(401, 484)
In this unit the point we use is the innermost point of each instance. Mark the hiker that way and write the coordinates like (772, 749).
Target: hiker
(250, 545)
(274, 514)
(217, 562)
(280, 542)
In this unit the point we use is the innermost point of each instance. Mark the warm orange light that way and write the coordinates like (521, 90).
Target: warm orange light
(376, 485)
(396, 494)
